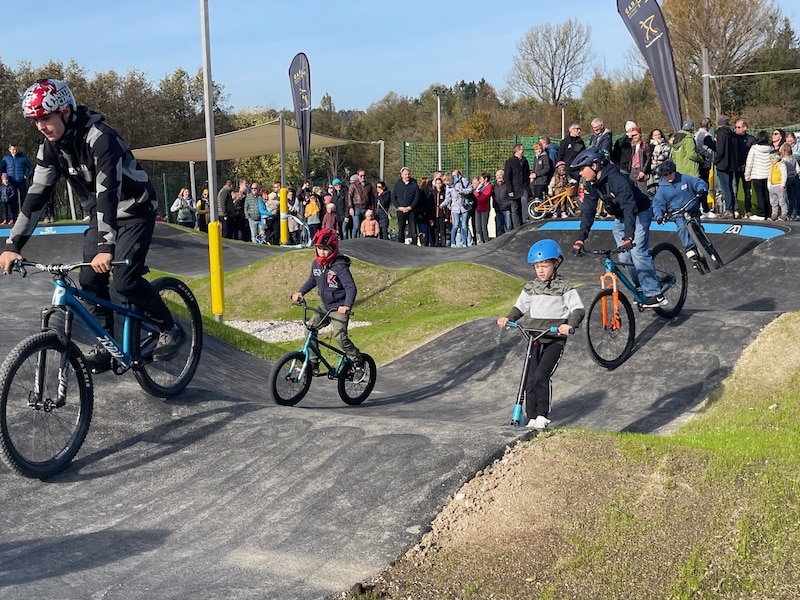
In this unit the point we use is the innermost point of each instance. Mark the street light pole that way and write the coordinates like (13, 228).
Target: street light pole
(563, 106)
(437, 92)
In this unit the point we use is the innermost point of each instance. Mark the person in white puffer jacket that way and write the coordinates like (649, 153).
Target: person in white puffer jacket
(756, 170)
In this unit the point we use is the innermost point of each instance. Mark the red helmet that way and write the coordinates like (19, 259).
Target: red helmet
(328, 239)
(47, 96)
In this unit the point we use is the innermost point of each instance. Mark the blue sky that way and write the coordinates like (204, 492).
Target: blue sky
(358, 50)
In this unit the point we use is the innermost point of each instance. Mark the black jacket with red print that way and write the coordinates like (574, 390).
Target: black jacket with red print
(334, 283)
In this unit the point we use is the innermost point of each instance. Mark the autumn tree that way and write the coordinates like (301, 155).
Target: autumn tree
(733, 31)
(552, 61)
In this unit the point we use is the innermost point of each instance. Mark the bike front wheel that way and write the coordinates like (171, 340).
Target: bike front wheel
(672, 278)
(355, 392)
(305, 237)
(536, 211)
(704, 246)
(610, 329)
(168, 378)
(41, 433)
(289, 382)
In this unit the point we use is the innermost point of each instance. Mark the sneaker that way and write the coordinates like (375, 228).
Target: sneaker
(98, 360)
(539, 422)
(690, 254)
(710, 215)
(727, 215)
(757, 218)
(315, 372)
(169, 342)
(780, 219)
(747, 215)
(655, 301)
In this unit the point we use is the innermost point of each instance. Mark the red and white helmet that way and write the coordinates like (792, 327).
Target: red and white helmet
(47, 96)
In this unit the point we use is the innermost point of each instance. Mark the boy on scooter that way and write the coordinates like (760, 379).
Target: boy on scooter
(547, 301)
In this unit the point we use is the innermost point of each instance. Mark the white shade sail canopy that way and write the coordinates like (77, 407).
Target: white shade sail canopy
(258, 140)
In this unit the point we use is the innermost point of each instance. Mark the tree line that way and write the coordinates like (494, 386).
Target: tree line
(742, 36)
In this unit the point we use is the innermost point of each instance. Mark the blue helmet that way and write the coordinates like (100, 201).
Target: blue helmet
(588, 157)
(545, 250)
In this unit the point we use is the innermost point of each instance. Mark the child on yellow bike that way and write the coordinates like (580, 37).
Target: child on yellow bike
(545, 302)
(330, 274)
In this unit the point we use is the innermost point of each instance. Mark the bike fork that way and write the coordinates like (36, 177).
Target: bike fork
(610, 317)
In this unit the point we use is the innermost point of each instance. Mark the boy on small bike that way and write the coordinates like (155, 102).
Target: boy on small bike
(330, 274)
(674, 190)
(114, 191)
(545, 302)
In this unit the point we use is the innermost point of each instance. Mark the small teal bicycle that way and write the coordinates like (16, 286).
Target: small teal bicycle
(291, 376)
(46, 389)
(610, 324)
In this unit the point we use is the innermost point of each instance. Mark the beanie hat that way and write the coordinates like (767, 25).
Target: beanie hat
(688, 124)
(723, 120)
(629, 125)
(336, 182)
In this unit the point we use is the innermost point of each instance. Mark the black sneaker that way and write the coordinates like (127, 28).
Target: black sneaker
(169, 342)
(655, 301)
(98, 360)
(315, 372)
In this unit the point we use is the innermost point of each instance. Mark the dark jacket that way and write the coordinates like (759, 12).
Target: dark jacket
(405, 194)
(621, 198)
(542, 168)
(102, 173)
(570, 147)
(17, 167)
(360, 196)
(602, 141)
(743, 144)
(500, 195)
(725, 158)
(334, 282)
(339, 200)
(518, 175)
(621, 153)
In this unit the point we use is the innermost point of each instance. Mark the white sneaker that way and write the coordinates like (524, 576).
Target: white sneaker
(539, 422)
(756, 218)
(709, 215)
(691, 254)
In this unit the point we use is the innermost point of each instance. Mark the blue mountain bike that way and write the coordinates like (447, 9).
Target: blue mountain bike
(46, 389)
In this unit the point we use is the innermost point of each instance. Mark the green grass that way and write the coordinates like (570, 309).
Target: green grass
(406, 307)
(712, 511)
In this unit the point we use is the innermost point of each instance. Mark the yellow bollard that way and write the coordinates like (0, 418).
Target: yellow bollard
(216, 269)
(284, 216)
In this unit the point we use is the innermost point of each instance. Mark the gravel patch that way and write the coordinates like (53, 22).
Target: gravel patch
(282, 331)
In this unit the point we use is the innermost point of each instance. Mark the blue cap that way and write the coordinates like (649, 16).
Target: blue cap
(336, 182)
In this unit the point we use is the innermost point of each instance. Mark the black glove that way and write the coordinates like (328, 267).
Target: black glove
(660, 220)
(577, 248)
(626, 245)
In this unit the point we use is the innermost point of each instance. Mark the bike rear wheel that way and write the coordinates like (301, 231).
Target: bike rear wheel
(286, 383)
(168, 378)
(305, 237)
(672, 278)
(355, 392)
(39, 436)
(611, 332)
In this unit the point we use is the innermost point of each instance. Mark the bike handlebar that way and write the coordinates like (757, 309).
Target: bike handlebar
(609, 252)
(553, 329)
(670, 214)
(56, 269)
(302, 302)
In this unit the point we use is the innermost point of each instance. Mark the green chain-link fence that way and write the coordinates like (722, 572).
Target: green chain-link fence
(470, 157)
